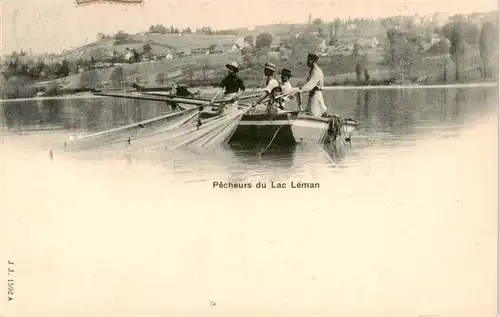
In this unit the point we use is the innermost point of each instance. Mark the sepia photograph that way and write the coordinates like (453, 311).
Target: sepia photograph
(249, 158)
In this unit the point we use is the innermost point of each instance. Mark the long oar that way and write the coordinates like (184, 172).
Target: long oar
(203, 105)
(195, 98)
(151, 98)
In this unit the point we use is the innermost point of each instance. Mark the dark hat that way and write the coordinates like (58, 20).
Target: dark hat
(286, 72)
(233, 66)
(270, 66)
(312, 56)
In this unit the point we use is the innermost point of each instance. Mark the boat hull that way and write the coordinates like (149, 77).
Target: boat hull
(261, 128)
(287, 129)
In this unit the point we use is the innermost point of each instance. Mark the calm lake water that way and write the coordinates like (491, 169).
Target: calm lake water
(404, 222)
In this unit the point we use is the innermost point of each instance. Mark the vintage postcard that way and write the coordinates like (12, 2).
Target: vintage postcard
(249, 158)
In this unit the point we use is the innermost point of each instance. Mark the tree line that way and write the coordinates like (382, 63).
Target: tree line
(206, 30)
(459, 39)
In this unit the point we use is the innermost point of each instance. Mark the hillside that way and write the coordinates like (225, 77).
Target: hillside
(148, 71)
(411, 49)
(186, 41)
(161, 44)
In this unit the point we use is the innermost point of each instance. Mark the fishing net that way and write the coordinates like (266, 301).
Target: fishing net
(217, 127)
(187, 133)
(134, 131)
(168, 132)
(216, 135)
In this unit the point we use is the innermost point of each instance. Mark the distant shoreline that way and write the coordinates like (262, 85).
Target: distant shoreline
(89, 95)
(463, 85)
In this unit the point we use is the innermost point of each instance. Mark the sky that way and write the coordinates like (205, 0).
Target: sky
(51, 26)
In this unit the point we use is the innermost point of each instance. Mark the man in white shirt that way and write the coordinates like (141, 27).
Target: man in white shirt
(286, 87)
(315, 104)
(270, 84)
(271, 81)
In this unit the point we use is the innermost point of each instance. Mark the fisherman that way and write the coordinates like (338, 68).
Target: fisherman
(286, 87)
(233, 87)
(183, 91)
(271, 84)
(174, 92)
(314, 86)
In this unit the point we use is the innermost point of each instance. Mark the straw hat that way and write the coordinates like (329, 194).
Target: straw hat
(233, 66)
(269, 66)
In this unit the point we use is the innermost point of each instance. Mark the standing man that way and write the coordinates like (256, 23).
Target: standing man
(233, 87)
(271, 82)
(315, 80)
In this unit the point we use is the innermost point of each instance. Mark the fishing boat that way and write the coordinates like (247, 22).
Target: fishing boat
(289, 128)
(279, 128)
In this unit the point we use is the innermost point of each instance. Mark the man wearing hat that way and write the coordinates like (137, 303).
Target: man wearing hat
(286, 87)
(271, 81)
(233, 85)
(314, 85)
(270, 84)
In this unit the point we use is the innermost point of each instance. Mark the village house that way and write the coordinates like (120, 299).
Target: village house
(165, 56)
(417, 20)
(440, 18)
(351, 27)
(47, 59)
(275, 44)
(200, 51)
(128, 55)
(217, 49)
(372, 42)
(435, 38)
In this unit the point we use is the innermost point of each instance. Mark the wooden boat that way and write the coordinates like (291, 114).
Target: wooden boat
(289, 128)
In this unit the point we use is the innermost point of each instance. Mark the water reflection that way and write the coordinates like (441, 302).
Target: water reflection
(337, 153)
(275, 159)
(392, 111)
(86, 115)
